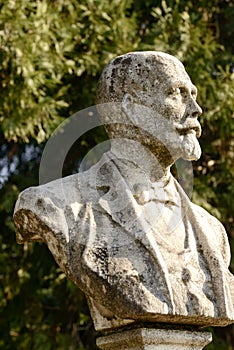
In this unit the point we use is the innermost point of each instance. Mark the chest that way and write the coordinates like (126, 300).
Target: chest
(169, 226)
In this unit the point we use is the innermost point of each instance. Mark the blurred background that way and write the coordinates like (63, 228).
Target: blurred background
(51, 55)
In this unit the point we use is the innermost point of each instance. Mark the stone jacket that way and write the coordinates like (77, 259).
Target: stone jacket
(92, 225)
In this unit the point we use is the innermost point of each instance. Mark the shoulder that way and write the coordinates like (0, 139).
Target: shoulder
(205, 215)
(59, 203)
(57, 193)
(215, 229)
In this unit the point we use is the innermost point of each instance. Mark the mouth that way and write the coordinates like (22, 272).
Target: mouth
(184, 130)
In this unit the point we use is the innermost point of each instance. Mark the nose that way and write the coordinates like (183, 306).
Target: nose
(194, 110)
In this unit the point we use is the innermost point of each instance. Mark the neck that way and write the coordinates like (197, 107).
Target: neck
(138, 162)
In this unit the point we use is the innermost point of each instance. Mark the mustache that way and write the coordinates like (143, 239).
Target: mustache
(188, 126)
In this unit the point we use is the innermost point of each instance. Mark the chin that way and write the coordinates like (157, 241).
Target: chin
(190, 148)
(193, 154)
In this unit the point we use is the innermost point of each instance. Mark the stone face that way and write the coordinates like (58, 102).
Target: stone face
(124, 230)
(155, 339)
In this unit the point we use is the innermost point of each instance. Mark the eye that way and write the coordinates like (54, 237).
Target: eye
(174, 91)
(194, 93)
(183, 91)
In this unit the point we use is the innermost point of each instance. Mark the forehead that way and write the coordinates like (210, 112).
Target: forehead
(157, 72)
(171, 72)
(182, 81)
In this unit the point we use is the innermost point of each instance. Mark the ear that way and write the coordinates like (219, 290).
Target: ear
(127, 106)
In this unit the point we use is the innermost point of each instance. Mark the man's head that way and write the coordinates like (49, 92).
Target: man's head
(152, 91)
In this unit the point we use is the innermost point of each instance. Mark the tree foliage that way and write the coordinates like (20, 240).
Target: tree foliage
(52, 53)
(44, 46)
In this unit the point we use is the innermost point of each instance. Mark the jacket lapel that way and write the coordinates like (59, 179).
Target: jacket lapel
(126, 212)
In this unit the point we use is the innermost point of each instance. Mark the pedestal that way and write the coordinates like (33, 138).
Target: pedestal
(154, 339)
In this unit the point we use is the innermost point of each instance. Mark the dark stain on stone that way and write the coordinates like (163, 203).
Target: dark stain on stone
(127, 61)
(114, 73)
(117, 60)
(111, 88)
(39, 203)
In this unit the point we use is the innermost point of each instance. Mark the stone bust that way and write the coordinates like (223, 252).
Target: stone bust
(124, 230)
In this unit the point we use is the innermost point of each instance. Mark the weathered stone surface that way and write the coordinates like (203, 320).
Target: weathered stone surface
(155, 339)
(124, 230)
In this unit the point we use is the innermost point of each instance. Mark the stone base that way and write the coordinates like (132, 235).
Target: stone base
(154, 339)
